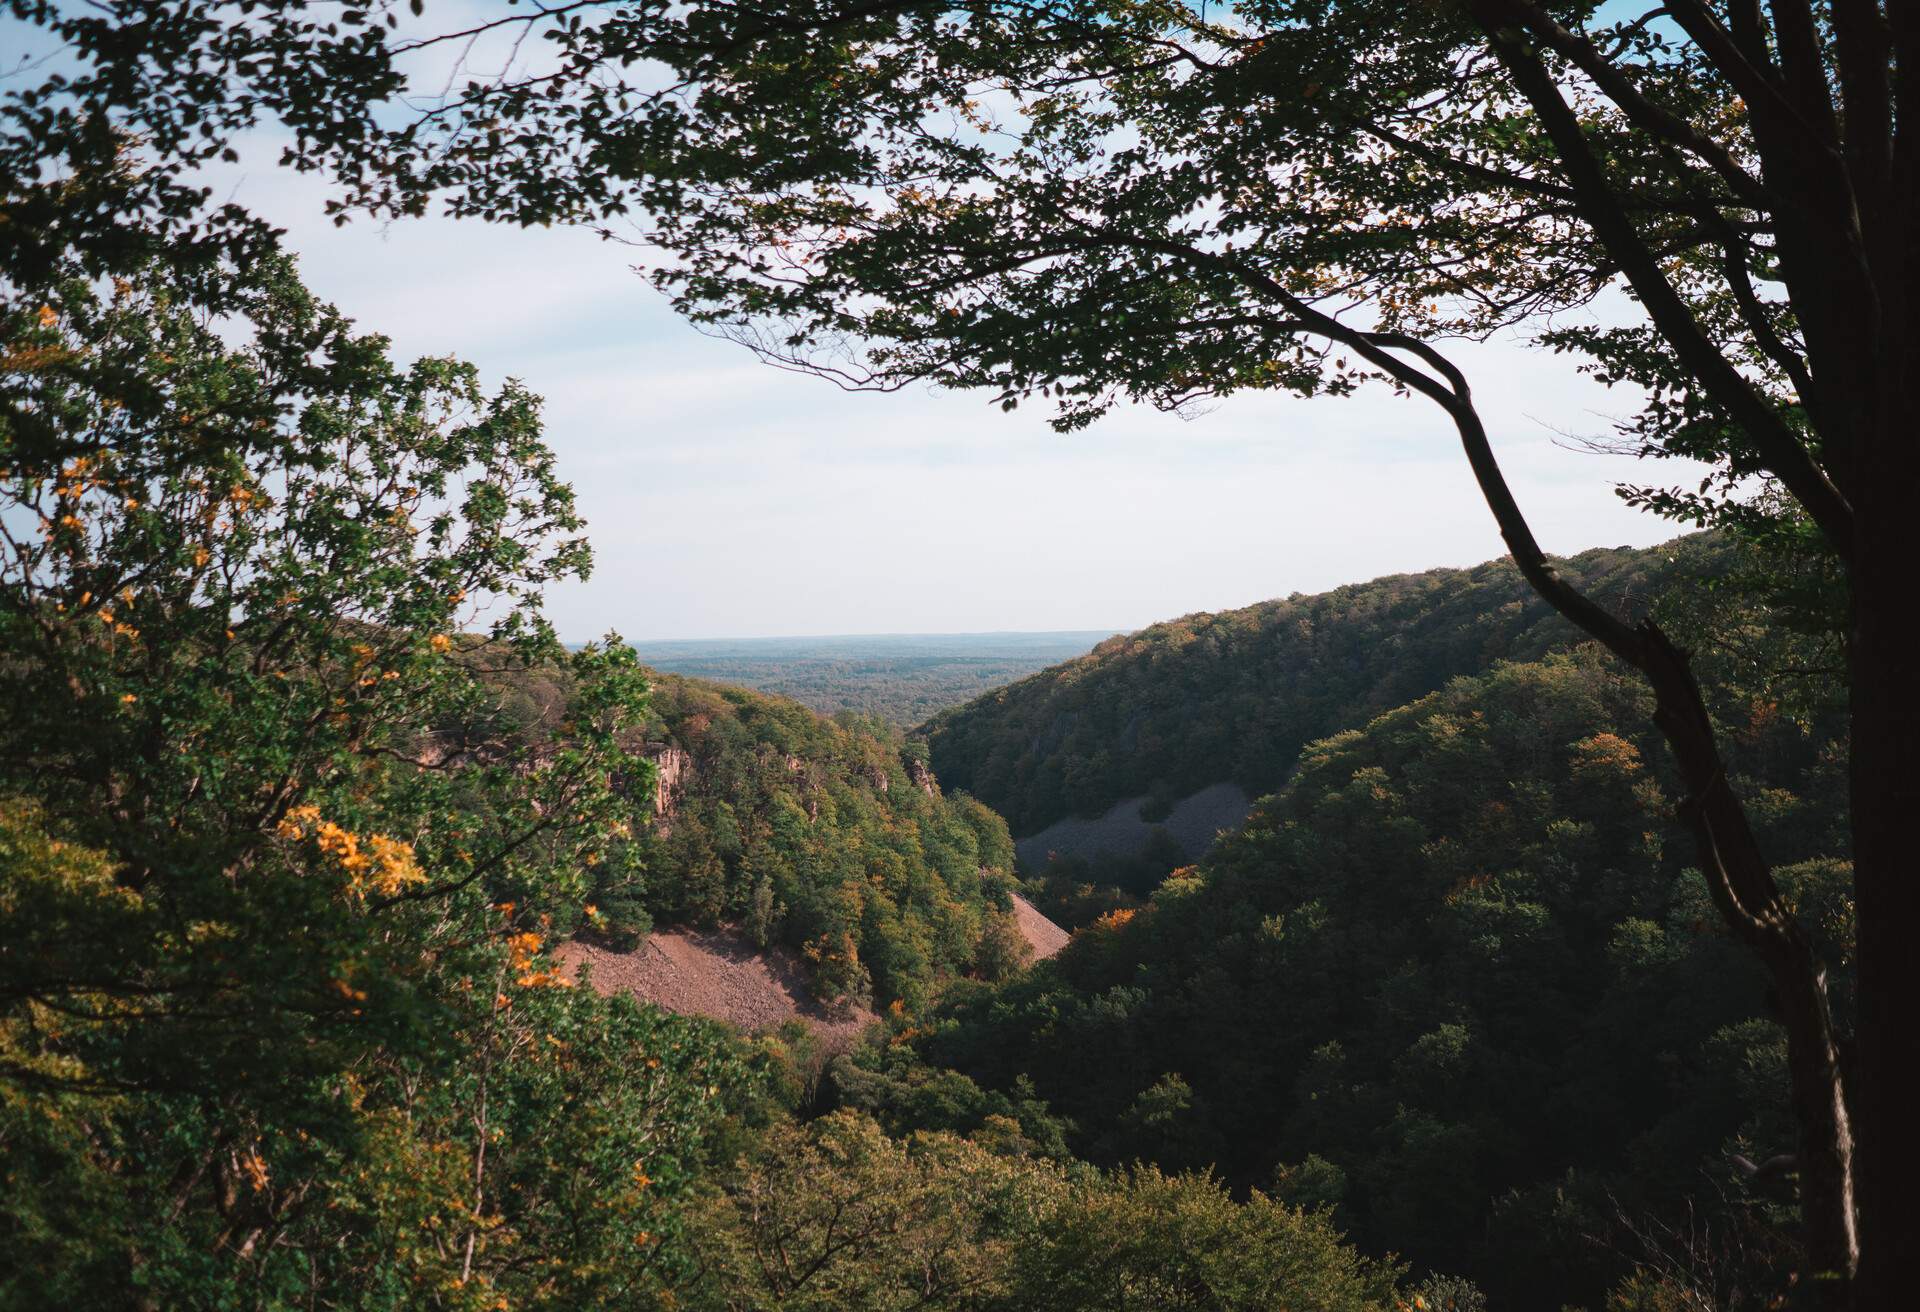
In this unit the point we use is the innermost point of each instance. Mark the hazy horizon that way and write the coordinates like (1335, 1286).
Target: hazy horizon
(746, 638)
(1099, 632)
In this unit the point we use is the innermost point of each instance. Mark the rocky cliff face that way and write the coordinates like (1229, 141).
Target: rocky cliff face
(674, 769)
(671, 767)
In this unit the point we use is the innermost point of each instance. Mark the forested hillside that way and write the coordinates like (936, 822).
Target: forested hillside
(1233, 696)
(1457, 980)
(287, 843)
(1454, 959)
(813, 833)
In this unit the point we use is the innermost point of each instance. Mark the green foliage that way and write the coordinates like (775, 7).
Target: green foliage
(1074, 891)
(1181, 1242)
(1004, 950)
(229, 615)
(278, 861)
(1033, 200)
(1087, 203)
(886, 1081)
(1235, 696)
(838, 1215)
(281, 853)
(97, 154)
(1768, 628)
(1454, 957)
(821, 835)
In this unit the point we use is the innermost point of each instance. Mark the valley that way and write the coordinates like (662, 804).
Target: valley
(1441, 908)
(1510, 936)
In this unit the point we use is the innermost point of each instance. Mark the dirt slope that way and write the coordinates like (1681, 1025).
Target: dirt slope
(720, 974)
(715, 973)
(1045, 937)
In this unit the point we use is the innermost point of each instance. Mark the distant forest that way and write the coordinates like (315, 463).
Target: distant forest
(903, 679)
(1233, 696)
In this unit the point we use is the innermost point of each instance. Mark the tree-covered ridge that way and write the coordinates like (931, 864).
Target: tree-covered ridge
(1456, 978)
(1233, 696)
(823, 835)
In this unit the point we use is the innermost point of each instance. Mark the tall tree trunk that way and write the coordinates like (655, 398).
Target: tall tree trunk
(1735, 870)
(1741, 883)
(1736, 873)
(1885, 787)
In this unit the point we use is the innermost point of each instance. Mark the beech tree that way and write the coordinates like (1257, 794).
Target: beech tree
(1086, 201)
(1090, 201)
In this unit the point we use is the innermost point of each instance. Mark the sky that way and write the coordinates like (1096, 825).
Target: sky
(726, 498)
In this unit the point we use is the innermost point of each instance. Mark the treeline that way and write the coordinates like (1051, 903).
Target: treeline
(1458, 982)
(1234, 696)
(901, 680)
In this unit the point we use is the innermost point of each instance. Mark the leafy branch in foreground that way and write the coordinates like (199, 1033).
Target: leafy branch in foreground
(275, 1009)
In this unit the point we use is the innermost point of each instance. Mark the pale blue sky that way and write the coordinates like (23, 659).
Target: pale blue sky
(726, 498)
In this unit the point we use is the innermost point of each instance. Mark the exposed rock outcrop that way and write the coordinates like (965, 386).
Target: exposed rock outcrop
(671, 766)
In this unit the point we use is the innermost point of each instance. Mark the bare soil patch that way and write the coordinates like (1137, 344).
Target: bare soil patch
(1196, 821)
(720, 974)
(1042, 935)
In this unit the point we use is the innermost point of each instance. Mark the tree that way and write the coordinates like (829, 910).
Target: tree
(839, 1215)
(1088, 201)
(277, 866)
(1148, 199)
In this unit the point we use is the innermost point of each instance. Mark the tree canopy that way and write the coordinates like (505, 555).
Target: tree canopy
(1452, 980)
(275, 1005)
(1234, 696)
